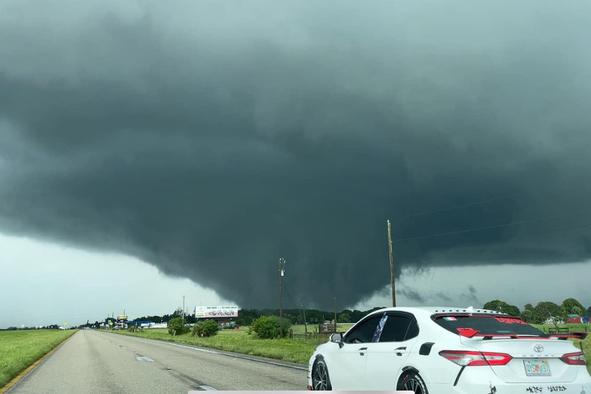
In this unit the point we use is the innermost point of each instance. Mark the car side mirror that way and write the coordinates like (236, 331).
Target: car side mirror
(337, 337)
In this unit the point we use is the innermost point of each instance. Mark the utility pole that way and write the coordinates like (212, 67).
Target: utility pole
(391, 259)
(183, 308)
(305, 324)
(335, 313)
(281, 271)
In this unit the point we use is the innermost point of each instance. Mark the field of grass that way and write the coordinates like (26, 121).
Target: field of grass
(313, 328)
(19, 349)
(239, 341)
(574, 327)
(587, 351)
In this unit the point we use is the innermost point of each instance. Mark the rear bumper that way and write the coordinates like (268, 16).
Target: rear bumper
(492, 385)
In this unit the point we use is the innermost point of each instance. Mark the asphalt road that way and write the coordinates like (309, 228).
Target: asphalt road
(98, 362)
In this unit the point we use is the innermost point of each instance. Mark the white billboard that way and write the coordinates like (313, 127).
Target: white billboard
(215, 311)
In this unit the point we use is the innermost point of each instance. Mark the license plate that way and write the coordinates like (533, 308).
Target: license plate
(537, 367)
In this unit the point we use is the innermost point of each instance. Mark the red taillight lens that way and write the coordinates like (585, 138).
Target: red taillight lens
(475, 359)
(577, 358)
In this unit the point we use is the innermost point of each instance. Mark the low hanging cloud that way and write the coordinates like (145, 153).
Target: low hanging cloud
(211, 138)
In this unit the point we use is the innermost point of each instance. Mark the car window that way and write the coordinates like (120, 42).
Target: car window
(487, 324)
(395, 328)
(413, 330)
(380, 327)
(363, 332)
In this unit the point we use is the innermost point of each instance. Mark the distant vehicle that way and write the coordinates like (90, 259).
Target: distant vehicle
(448, 350)
(229, 325)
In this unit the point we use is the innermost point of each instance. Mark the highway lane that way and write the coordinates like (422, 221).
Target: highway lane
(98, 362)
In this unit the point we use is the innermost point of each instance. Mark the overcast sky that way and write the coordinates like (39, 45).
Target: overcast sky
(192, 143)
(46, 283)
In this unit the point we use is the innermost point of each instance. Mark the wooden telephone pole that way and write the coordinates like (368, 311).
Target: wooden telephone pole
(391, 259)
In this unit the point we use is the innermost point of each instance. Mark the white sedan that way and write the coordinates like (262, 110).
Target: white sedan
(448, 350)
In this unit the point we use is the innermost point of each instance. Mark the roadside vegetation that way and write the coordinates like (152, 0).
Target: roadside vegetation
(177, 326)
(205, 328)
(21, 348)
(271, 327)
(543, 312)
(297, 349)
(262, 333)
(587, 350)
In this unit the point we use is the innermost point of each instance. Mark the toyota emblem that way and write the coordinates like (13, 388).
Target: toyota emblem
(538, 348)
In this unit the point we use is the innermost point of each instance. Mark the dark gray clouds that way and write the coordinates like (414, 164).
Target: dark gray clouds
(211, 138)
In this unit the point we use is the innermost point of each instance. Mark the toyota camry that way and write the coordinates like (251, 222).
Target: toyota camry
(449, 350)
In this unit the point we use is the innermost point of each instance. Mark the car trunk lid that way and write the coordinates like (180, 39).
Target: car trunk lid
(533, 360)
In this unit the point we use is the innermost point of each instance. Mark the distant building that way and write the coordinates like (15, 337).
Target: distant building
(554, 321)
(574, 319)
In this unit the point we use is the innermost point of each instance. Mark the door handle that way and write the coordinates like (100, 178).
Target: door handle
(362, 351)
(400, 350)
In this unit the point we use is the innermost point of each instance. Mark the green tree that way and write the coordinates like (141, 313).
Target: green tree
(205, 328)
(545, 310)
(572, 306)
(268, 327)
(344, 317)
(502, 306)
(177, 326)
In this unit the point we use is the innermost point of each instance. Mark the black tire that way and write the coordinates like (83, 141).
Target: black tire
(412, 381)
(320, 378)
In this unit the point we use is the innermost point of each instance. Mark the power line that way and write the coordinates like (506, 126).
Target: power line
(483, 228)
(563, 191)
(456, 207)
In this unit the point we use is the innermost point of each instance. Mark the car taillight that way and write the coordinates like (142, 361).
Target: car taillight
(475, 359)
(577, 358)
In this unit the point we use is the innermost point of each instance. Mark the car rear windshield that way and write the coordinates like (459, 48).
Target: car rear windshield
(487, 324)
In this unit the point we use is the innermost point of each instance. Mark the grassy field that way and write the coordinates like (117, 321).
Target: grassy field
(587, 351)
(294, 350)
(574, 327)
(19, 349)
(313, 328)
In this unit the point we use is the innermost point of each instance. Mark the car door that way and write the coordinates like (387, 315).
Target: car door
(347, 363)
(390, 350)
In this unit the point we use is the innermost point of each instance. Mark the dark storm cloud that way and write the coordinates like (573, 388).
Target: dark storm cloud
(412, 295)
(443, 297)
(212, 138)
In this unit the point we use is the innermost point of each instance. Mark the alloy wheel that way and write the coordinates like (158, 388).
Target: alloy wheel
(320, 377)
(414, 385)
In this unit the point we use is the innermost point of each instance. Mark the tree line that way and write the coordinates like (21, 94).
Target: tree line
(536, 314)
(295, 316)
(542, 311)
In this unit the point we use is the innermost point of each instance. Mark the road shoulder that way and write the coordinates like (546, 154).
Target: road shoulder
(31, 368)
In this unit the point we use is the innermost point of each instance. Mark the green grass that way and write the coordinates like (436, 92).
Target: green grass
(239, 341)
(19, 349)
(587, 351)
(574, 327)
(313, 328)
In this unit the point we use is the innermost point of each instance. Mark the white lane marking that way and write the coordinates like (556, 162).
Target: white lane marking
(205, 387)
(240, 357)
(144, 359)
(195, 348)
(228, 354)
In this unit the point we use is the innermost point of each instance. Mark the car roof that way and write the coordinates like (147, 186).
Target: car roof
(433, 310)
